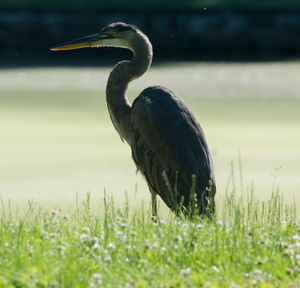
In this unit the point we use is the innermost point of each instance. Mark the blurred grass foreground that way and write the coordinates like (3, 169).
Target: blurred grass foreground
(57, 140)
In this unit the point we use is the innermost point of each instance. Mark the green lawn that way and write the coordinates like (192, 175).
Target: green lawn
(57, 139)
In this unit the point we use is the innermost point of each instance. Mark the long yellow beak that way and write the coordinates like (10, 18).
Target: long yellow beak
(83, 42)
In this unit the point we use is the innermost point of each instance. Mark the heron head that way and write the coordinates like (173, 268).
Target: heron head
(114, 35)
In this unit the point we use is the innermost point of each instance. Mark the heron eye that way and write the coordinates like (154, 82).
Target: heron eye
(113, 33)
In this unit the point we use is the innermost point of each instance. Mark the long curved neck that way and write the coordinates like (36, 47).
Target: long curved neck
(118, 105)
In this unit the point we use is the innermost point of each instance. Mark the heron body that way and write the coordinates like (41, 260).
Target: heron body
(167, 143)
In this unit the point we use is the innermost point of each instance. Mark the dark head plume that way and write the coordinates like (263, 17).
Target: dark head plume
(120, 26)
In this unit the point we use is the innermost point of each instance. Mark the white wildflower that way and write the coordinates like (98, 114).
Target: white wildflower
(65, 217)
(61, 249)
(111, 245)
(123, 225)
(53, 235)
(84, 237)
(144, 262)
(233, 285)
(97, 278)
(179, 238)
(199, 226)
(107, 258)
(86, 230)
(290, 251)
(66, 244)
(186, 271)
(95, 240)
(54, 213)
(53, 283)
(118, 233)
(44, 235)
(215, 268)
(257, 272)
(96, 246)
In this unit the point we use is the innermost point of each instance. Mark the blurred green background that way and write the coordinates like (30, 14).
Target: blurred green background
(57, 140)
(56, 137)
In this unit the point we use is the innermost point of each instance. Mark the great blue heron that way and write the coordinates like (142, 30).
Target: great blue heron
(167, 143)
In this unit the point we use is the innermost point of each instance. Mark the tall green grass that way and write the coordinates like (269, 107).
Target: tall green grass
(253, 244)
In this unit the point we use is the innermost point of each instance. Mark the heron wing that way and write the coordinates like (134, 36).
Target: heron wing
(168, 145)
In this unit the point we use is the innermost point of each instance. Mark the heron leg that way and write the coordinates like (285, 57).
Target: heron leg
(153, 203)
